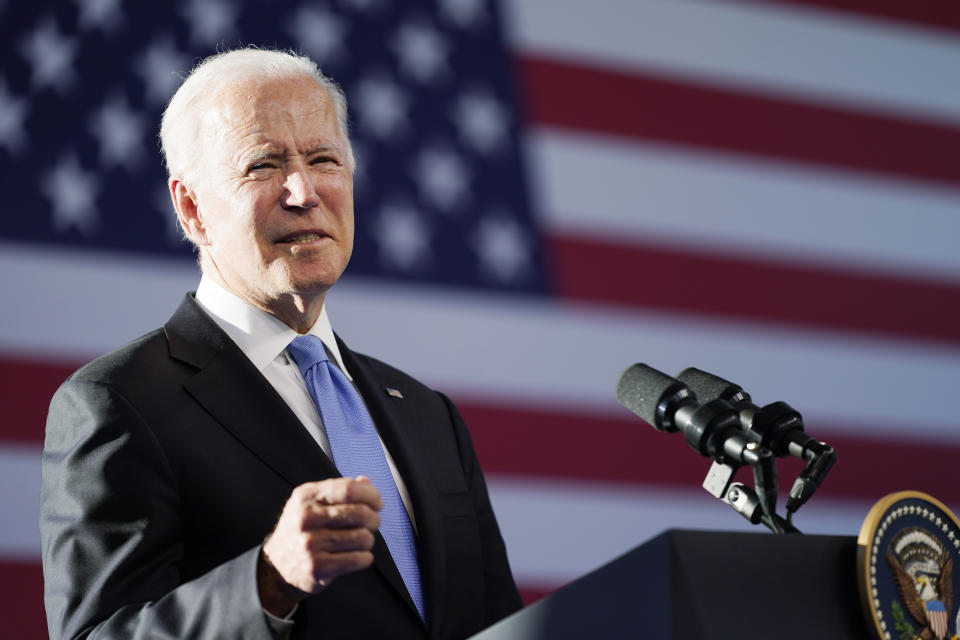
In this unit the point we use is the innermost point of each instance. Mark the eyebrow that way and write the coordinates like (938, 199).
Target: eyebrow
(264, 155)
(276, 155)
(324, 148)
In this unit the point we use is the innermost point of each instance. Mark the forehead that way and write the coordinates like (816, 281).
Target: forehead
(258, 112)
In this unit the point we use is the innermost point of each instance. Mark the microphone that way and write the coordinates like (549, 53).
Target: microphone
(712, 429)
(776, 426)
(670, 405)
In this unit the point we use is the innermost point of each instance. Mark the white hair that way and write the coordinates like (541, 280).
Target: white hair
(180, 125)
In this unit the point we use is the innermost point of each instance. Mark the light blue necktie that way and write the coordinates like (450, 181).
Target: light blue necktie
(356, 451)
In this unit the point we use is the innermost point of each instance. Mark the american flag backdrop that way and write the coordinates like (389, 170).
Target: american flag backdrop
(547, 191)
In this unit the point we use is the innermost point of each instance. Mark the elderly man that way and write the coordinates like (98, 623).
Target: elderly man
(241, 473)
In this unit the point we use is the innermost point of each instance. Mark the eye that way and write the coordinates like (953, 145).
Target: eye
(324, 160)
(259, 166)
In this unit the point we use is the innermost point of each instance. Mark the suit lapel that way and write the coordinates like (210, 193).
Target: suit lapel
(237, 395)
(396, 434)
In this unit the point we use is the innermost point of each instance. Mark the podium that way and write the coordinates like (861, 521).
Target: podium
(704, 585)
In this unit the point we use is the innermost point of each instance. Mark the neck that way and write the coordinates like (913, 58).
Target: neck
(299, 311)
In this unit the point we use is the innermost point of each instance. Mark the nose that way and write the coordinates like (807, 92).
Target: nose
(299, 191)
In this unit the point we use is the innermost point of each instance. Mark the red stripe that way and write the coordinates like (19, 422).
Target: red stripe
(568, 95)
(21, 600)
(530, 593)
(756, 290)
(578, 445)
(943, 14)
(26, 387)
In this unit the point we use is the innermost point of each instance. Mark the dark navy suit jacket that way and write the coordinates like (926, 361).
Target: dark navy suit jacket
(168, 461)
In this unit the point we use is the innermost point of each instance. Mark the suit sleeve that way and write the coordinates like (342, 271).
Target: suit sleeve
(501, 597)
(112, 535)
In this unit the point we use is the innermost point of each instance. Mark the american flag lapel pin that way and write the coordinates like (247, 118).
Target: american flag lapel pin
(394, 393)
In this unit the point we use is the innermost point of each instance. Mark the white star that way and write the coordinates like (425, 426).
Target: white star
(464, 13)
(319, 32)
(422, 51)
(382, 107)
(503, 248)
(210, 21)
(100, 14)
(50, 54)
(403, 237)
(73, 193)
(442, 176)
(13, 115)
(364, 5)
(120, 132)
(482, 120)
(162, 68)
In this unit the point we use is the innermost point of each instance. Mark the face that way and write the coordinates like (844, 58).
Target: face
(271, 205)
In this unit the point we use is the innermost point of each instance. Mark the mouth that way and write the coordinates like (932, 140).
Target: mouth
(302, 237)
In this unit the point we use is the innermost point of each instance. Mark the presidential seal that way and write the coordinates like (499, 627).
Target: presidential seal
(906, 551)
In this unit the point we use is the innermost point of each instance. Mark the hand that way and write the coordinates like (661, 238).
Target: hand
(326, 529)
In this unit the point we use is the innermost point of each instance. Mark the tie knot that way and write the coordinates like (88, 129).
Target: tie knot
(307, 352)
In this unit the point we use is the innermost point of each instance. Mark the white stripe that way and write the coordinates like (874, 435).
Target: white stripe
(595, 186)
(77, 304)
(797, 52)
(556, 355)
(515, 350)
(19, 501)
(557, 531)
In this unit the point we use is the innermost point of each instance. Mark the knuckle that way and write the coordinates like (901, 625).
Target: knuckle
(367, 539)
(366, 558)
(303, 521)
(350, 491)
(334, 514)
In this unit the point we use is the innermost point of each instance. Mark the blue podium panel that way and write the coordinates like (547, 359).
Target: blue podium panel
(703, 585)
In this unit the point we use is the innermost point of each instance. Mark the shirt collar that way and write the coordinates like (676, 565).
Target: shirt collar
(259, 334)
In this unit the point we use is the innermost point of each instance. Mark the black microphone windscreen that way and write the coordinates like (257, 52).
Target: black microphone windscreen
(707, 386)
(642, 388)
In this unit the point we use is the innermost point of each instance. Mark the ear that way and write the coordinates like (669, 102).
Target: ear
(188, 211)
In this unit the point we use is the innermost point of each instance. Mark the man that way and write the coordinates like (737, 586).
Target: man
(189, 487)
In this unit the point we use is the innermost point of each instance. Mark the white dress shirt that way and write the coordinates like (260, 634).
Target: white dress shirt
(263, 338)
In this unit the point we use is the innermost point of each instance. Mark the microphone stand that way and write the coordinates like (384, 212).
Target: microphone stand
(744, 499)
(775, 429)
(734, 432)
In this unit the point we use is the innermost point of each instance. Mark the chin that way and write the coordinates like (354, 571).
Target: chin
(312, 286)
(317, 277)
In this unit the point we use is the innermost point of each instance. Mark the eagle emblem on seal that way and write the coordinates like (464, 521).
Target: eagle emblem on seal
(923, 571)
